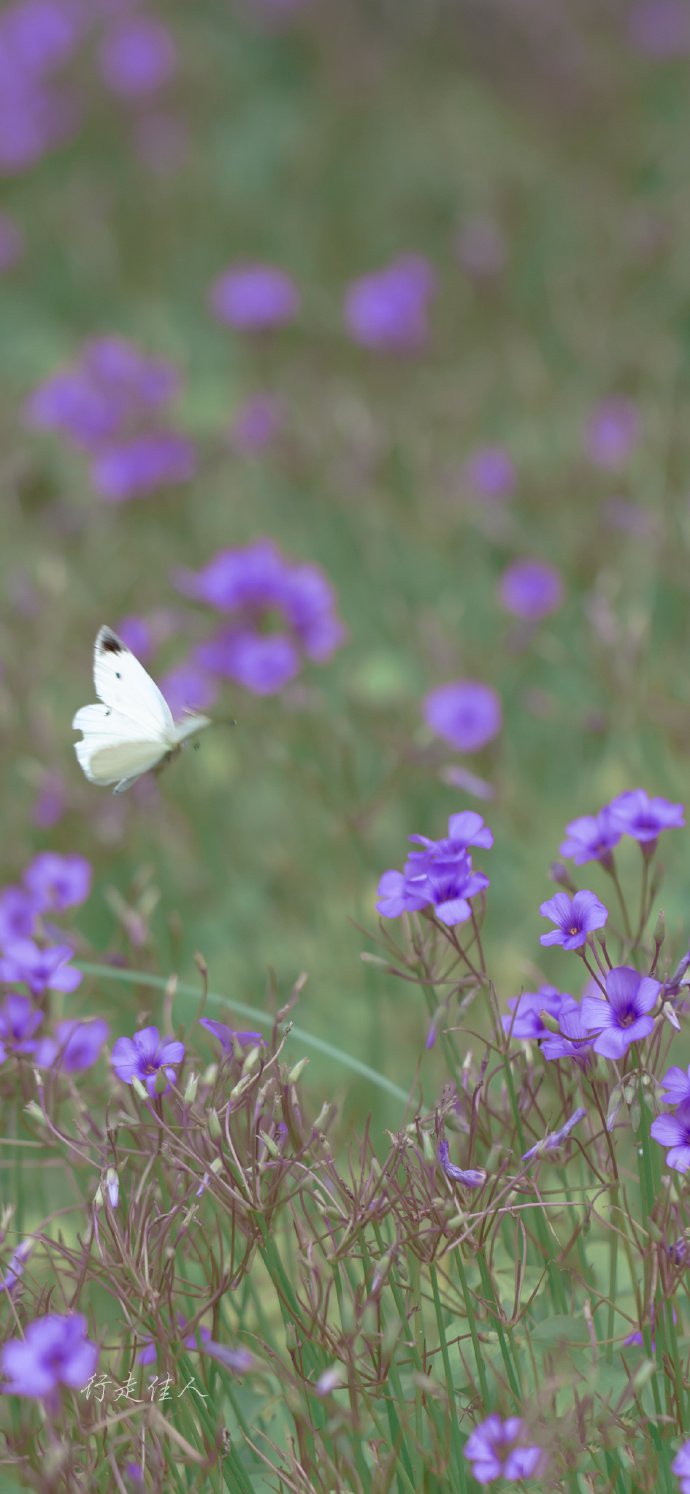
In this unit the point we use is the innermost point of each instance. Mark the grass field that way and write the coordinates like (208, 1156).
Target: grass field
(522, 397)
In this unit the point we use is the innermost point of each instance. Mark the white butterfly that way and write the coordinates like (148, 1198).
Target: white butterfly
(133, 729)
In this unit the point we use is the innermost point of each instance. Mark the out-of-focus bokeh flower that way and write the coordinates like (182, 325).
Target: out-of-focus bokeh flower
(137, 57)
(635, 814)
(660, 29)
(76, 1045)
(387, 310)
(256, 424)
(613, 432)
(491, 472)
(531, 589)
(465, 713)
(58, 881)
(54, 1351)
(255, 297)
(25, 963)
(188, 687)
(262, 590)
(141, 466)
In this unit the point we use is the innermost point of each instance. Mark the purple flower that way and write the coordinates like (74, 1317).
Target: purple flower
(591, 838)
(634, 813)
(464, 829)
(136, 632)
(148, 1352)
(54, 1351)
(624, 1017)
(58, 882)
(525, 1019)
(491, 472)
(400, 894)
(261, 589)
(256, 424)
(531, 589)
(139, 467)
(255, 297)
(188, 688)
(465, 713)
(109, 393)
(198, 1338)
(660, 29)
(76, 1046)
(39, 36)
(681, 1467)
(18, 913)
(40, 969)
(145, 1056)
(573, 1041)
(263, 665)
(470, 1177)
(480, 248)
(676, 1086)
(387, 309)
(11, 243)
(137, 57)
(575, 917)
(555, 1139)
(19, 1019)
(494, 1451)
(450, 887)
(237, 1360)
(612, 432)
(15, 1265)
(228, 1037)
(673, 1131)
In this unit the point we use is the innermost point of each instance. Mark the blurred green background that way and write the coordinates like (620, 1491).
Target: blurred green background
(328, 139)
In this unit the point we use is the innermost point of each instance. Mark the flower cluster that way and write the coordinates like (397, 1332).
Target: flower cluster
(112, 403)
(441, 876)
(279, 614)
(633, 813)
(38, 112)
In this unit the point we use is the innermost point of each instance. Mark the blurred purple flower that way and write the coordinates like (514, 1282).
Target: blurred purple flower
(676, 1084)
(148, 1352)
(531, 589)
(15, 1265)
(105, 395)
(260, 586)
(525, 1021)
(229, 1036)
(11, 243)
(237, 1360)
(57, 882)
(139, 467)
(613, 432)
(76, 1046)
(635, 814)
(464, 830)
(555, 1139)
(573, 1041)
(256, 424)
(35, 118)
(137, 57)
(491, 472)
(591, 838)
(673, 1131)
(624, 1017)
(137, 634)
(146, 1055)
(465, 713)
(470, 1177)
(18, 914)
(19, 1019)
(450, 887)
(399, 894)
(54, 1351)
(40, 969)
(188, 688)
(480, 248)
(660, 29)
(681, 1467)
(39, 36)
(494, 1451)
(387, 310)
(254, 297)
(575, 917)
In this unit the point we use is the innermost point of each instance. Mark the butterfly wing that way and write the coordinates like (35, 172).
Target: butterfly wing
(189, 727)
(124, 686)
(113, 748)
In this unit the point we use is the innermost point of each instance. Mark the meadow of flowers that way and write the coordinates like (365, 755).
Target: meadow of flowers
(344, 1065)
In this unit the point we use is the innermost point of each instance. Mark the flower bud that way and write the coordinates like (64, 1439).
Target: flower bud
(299, 1068)
(112, 1183)
(215, 1129)
(190, 1089)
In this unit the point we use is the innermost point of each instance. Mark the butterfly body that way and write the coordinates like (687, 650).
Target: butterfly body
(131, 730)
